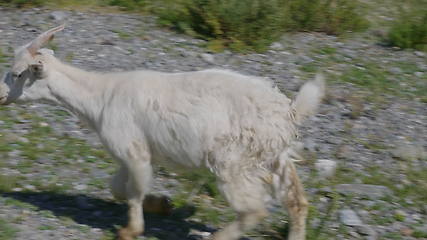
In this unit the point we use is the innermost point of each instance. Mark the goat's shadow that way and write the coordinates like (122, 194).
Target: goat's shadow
(109, 215)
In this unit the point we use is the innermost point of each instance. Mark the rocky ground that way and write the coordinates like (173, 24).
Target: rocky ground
(365, 167)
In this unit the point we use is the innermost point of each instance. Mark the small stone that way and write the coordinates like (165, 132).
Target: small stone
(209, 58)
(354, 234)
(349, 217)
(419, 74)
(395, 70)
(14, 153)
(17, 189)
(419, 54)
(406, 231)
(23, 140)
(325, 168)
(310, 145)
(366, 230)
(80, 187)
(43, 124)
(276, 46)
(372, 191)
(30, 187)
(57, 15)
(199, 233)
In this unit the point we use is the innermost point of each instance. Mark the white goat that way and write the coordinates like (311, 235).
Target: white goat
(239, 127)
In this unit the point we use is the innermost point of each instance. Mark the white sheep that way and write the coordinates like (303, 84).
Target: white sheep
(238, 127)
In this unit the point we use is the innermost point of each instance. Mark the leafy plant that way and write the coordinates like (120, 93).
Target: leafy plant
(410, 29)
(254, 24)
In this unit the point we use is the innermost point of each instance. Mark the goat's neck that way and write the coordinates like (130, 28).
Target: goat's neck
(78, 90)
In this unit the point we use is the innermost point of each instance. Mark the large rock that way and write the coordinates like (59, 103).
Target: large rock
(371, 191)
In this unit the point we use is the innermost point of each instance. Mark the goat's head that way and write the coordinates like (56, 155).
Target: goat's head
(26, 75)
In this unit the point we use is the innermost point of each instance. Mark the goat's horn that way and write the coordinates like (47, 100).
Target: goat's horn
(42, 39)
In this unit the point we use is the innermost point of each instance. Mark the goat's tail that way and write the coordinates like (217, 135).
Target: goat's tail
(309, 98)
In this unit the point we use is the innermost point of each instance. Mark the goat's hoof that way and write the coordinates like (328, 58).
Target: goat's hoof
(158, 204)
(127, 234)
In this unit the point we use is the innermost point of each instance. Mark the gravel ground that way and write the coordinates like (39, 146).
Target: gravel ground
(365, 167)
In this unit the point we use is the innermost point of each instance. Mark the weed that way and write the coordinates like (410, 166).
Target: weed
(122, 34)
(2, 56)
(6, 231)
(255, 24)
(399, 217)
(410, 29)
(7, 183)
(46, 227)
(130, 5)
(20, 204)
(419, 234)
(22, 3)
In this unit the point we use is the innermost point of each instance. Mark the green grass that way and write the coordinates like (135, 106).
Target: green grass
(2, 56)
(378, 80)
(409, 30)
(7, 183)
(123, 35)
(7, 232)
(22, 3)
(46, 227)
(255, 24)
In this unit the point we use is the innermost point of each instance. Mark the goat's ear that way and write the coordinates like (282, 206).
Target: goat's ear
(36, 69)
(42, 39)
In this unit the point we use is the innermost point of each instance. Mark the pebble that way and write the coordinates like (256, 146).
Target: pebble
(57, 16)
(325, 168)
(366, 230)
(80, 187)
(419, 54)
(276, 46)
(349, 217)
(371, 191)
(209, 58)
(409, 152)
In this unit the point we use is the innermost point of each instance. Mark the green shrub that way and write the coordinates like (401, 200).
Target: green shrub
(255, 24)
(410, 30)
(239, 24)
(128, 4)
(329, 16)
(22, 3)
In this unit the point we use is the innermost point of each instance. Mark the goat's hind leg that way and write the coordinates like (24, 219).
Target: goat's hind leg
(294, 200)
(246, 198)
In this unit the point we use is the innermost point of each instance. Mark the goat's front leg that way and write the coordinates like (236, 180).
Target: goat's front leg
(137, 185)
(152, 203)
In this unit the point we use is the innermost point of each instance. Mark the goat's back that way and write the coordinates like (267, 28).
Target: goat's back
(187, 116)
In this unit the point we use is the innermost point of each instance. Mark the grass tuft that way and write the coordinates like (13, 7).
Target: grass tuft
(409, 30)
